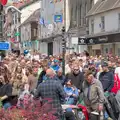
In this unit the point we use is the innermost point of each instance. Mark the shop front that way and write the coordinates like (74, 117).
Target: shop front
(103, 45)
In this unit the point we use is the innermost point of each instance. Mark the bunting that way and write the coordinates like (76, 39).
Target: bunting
(55, 1)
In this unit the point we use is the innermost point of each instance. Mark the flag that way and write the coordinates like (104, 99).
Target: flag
(42, 22)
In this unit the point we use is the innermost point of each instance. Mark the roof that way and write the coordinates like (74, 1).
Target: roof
(27, 4)
(34, 17)
(103, 6)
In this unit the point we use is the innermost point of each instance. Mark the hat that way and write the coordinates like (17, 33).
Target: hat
(104, 64)
(56, 61)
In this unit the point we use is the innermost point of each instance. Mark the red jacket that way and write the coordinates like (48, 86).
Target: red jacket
(84, 110)
(116, 84)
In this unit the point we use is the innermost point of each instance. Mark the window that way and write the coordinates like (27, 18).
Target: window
(85, 13)
(119, 21)
(13, 19)
(80, 15)
(34, 32)
(19, 19)
(92, 26)
(102, 23)
(16, 18)
(91, 3)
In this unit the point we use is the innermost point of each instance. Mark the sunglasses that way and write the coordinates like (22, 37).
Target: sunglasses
(76, 69)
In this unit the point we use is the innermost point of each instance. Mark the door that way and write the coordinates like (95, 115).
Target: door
(50, 48)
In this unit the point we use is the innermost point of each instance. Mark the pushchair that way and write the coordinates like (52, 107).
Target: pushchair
(79, 110)
(111, 106)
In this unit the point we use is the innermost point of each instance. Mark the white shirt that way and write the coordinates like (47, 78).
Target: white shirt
(67, 69)
(117, 71)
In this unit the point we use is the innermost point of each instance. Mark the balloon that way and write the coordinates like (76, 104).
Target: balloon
(3, 2)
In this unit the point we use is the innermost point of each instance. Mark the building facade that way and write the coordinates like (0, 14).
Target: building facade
(30, 27)
(30, 32)
(78, 23)
(52, 21)
(14, 19)
(104, 28)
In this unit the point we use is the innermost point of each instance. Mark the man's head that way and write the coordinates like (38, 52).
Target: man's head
(22, 63)
(118, 62)
(105, 67)
(76, 69)
(89, 77)
(109, 64)
(50, 73)
(59, 72)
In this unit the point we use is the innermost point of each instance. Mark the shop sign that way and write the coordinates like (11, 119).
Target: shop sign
(98, 40)
(4, 46)
(82, 41)
(58, 18)
(91, 41)
(103, 39)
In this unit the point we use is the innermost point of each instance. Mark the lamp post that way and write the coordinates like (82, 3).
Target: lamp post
(63, 49)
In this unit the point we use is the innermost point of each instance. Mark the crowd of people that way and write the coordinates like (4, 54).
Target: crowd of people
(86, 76)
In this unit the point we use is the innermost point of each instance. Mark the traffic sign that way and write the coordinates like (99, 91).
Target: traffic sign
(4, 46)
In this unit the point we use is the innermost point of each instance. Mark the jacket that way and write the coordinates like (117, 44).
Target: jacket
(114, 104)
(107, 80)
(77, 80)
(116, 84)
(52, 89)
(93, 93)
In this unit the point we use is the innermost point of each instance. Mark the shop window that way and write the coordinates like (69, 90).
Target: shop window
(119, 21)
(91, 3)
(92, 26)
(106, 50)
(102, 23)
(119, 51)
(85, 20)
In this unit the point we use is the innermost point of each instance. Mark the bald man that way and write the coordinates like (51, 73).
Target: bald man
(52, 89)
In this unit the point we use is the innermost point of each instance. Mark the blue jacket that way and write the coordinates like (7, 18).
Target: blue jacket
(69, 91)
(55, 67)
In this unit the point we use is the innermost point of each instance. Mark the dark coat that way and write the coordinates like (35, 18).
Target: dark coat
(52, 89)
(77, 80)
(40, 79)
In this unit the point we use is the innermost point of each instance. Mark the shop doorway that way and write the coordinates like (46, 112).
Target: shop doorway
(98, 52)
(50, 48)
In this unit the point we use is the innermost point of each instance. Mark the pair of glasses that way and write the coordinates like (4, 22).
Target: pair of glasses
(76, 69)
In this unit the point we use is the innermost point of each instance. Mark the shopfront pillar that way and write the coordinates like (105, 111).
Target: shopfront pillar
(113, 48)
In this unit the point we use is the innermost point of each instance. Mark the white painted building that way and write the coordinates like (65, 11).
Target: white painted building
(78, 23)
(29, 15)
(104, 27)
(29, 10)
(51, 41)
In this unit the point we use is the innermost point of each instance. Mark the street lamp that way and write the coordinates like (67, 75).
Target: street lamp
(63, 49)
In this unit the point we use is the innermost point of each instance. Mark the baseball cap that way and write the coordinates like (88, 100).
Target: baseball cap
(104, 64)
